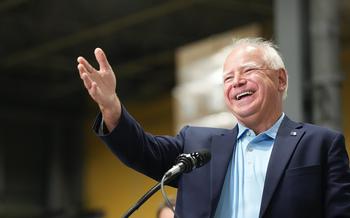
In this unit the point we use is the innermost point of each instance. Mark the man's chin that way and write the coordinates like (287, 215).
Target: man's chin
(245, 115)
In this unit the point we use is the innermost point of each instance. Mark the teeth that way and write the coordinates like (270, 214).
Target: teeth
(239, 96)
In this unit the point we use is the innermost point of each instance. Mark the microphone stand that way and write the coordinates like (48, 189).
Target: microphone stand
(185, 163)
(146, 196)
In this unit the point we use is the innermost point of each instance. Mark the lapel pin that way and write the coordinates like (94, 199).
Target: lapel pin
(293, 133)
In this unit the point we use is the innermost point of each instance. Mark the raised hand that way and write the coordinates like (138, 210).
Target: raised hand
(101, 85)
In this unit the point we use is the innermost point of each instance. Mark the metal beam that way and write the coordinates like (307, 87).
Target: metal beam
(97, 31)
(290, 29)
(326, 73)
(9, 4)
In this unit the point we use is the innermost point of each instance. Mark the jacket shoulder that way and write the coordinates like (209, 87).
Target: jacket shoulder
(311, 128)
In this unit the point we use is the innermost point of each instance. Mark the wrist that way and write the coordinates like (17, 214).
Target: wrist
(111, 114)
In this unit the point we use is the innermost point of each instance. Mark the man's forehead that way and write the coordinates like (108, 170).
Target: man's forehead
(243, 52)
(242, 57)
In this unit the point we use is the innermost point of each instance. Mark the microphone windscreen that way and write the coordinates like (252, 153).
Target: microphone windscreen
(202, 157)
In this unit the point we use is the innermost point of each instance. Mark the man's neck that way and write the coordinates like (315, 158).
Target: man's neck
(259, 125)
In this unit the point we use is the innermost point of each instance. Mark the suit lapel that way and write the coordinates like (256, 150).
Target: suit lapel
(222, 147)
(286, 141)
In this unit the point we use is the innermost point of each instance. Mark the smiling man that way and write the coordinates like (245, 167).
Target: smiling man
(255, 80)
(266, 166)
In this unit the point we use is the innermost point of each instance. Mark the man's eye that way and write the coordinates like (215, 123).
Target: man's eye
(229, 78)
(250, 70)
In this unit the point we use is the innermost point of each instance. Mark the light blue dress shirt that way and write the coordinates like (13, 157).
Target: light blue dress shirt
(244, 182)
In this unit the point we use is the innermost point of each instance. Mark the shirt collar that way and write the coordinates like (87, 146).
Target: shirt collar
(272, 132)
(241, 129)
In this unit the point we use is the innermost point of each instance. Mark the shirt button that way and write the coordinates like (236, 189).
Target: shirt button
(250, 162)
(249, 149)
(249, 133)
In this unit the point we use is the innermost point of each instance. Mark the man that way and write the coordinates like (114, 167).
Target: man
(267, 166)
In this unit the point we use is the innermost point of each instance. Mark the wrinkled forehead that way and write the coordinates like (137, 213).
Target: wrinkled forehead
(244, 56)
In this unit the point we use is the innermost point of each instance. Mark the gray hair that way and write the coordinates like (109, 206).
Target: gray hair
(269, 50)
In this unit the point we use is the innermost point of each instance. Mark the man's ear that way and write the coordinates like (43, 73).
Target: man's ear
(282, 79)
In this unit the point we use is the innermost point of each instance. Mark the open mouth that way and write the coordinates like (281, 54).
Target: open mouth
(244, 94)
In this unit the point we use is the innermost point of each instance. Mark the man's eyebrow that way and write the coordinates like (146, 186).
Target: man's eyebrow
(225, 73)
(249, 64)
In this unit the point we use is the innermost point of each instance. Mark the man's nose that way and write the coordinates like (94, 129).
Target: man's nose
(238, 80)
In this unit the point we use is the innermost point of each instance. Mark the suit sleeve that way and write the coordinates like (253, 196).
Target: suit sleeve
(148, 154)
(338, 180)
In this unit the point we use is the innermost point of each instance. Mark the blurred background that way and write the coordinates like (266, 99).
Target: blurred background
(167, 56)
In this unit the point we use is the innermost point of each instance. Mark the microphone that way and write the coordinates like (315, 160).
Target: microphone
(184, 163)
(187, 162)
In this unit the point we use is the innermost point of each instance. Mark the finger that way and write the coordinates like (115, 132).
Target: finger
(92, 76)
(87, 81)
(102, 59)
(94, 91)
(81, 70)
(87, 65)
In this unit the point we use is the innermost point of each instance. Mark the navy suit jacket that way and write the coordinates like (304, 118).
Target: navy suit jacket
(308, 172)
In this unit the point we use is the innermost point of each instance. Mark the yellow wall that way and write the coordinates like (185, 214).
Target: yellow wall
(108, 184)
